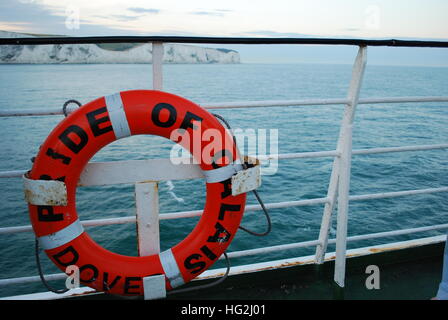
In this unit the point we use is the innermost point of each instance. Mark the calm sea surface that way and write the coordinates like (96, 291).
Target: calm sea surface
(300, 129)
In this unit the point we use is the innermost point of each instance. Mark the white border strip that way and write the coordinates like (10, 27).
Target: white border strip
(61, 237)
(117, 115)
(171, 268)
(222, 173)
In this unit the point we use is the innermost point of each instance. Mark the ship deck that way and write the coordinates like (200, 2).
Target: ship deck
(408, 274)
(412, 273)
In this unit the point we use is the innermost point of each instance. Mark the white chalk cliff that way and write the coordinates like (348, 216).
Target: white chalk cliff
(92, 53)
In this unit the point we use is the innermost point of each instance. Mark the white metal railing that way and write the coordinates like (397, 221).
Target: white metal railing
(253, 104)
(147, 210)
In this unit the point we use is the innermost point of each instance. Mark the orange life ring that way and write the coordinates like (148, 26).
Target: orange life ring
(78, 137)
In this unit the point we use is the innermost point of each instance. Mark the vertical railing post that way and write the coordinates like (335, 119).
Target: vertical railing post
(147, 212)
(147, 194)
(157, 63)
(340, 175)
(321, 248)
(345, 166)
(147, 201)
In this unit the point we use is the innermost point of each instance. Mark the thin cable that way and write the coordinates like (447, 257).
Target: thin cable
(41, 275)
(268, 219)
(205, 286)
(257, 196)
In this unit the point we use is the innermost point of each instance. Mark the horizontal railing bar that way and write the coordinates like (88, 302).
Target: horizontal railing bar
(255, 207)
(108, 221)
(222, 40)
(396, 232)
(12, 173)
(31, 112)
(249, 252)
(273, 103)
(395, 194)
(85, 223)
(280, 247)
(312, 154)
(17, 229)
(243, 253)
(403, 99)
(252, 104)
(31, 279)
(172, 215)
(334, 153)
(312, 102)
(299, 155)
(400, 149)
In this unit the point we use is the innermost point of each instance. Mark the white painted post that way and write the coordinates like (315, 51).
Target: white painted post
(345, 165)
(146, 194)
(349, 111)
(321, 248)
(147, 212)
(157, 62)
(154, 287)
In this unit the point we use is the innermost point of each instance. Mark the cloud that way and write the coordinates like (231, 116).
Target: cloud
(207, 13)
(30, 16)
(144, 10)
(212, 13)
(120, 17)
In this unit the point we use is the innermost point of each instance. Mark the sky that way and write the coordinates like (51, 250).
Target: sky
(400, 19)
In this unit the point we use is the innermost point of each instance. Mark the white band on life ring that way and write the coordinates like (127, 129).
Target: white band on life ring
(117, 116)
(61, 237)
(171, 268)
(222, 173)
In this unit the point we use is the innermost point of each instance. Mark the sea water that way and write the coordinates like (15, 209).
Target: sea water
(300, 129)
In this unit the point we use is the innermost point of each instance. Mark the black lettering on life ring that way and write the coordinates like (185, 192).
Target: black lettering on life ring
(94, 271)
(194, 267)
(107, 286)
(227, 208)
(208, 253)
(58, 156)
(47, 214)
(74, 256)
(221, 234)
(227, 188)
(220, 155)
(187, 122)
(95, 122)
(47, 177)
(155, 115)
(75, 147)
(128, 286)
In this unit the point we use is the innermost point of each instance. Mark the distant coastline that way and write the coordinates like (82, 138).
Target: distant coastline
(109, 53)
